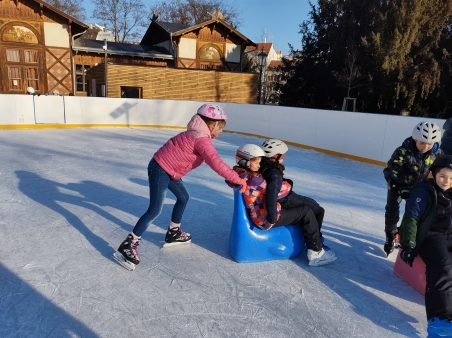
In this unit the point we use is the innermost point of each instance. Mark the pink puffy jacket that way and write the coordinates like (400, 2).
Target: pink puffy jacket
(189, 149)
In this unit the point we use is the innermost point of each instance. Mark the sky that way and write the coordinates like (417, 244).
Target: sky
(278, 20)
(70, 196)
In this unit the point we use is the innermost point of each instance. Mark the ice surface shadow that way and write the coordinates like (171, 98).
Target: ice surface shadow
(139, 181)
(26, 313)
(359, 271)
(87, 194)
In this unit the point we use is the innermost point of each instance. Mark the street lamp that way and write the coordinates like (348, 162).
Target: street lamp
(105, 48)
(261, 63)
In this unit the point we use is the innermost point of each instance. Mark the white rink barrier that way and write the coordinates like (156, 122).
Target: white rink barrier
(360, 136)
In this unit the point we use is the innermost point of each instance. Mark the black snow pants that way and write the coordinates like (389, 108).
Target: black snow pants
(392, 211)
(304, 216)
(435, 252)
(294, 200)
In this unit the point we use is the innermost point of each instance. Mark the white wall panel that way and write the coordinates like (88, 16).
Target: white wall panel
(232, 53)
(187, 48)
(56, 35)
(369, 136)
(73, 109)
(49, 109)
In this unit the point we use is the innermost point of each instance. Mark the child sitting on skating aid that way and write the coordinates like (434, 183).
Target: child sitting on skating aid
(426, 230)
(248, 159)
(296, 209)
(179, 155)
(409, 164)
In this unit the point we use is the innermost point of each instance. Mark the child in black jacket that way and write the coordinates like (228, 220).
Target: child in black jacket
(409, 164)
(426, 230)
(295, 208)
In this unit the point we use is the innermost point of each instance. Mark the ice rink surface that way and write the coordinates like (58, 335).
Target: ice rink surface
(70, 196)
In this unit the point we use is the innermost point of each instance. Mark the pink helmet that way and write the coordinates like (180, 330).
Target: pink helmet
(212, 111)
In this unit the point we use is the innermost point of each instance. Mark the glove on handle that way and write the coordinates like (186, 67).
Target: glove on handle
(242, 182)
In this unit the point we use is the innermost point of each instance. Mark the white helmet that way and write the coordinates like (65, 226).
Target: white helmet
(427, 132)
(30, 90)
(245, 153)
(273, 147)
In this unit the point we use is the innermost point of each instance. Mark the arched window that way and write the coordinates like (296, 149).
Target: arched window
(209, 53)
(210, 57)
(21, 55)
(19, 34)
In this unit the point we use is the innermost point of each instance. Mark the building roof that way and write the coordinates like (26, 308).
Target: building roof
(117, 48)
(160, 31)
(275, 64)
(266, 45)
(171, 27)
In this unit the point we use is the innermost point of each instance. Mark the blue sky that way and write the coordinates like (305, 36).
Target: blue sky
(280, 20)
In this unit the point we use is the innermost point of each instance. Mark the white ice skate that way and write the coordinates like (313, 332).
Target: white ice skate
(321, 257)
(119, 257)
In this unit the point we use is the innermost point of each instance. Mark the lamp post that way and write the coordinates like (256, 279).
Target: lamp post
(261, 63)
(105, 46)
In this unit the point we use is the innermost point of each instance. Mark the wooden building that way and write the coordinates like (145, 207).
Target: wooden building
(43, 48)
(35, 47)
(201, 62)
(211, 45)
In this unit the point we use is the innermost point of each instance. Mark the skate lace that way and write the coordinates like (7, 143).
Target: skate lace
(136, 242)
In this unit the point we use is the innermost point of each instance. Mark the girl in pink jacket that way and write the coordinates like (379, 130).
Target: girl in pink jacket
(179, 155)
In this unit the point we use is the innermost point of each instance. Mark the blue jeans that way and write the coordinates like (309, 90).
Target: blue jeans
(159, 183)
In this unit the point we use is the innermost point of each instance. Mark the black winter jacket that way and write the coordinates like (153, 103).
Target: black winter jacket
(408, 166)
(428, 209)
(274, 178)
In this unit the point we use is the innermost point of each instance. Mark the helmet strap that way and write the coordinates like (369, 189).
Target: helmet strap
(214, 129)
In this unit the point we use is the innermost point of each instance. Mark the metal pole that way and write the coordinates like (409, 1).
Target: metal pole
(105, 70)
(260, 86)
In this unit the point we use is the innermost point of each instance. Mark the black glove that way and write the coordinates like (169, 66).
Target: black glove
(405, 193)
(407, 256)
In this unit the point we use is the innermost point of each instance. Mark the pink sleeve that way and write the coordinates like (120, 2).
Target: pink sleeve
(208, 152)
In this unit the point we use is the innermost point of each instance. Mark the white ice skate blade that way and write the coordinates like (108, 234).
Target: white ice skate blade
(320, 262)
(167, 245)
(121, 260)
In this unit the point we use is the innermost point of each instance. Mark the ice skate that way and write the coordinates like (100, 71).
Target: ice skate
(127, 254)
(322, 257)
(176, 236)
(439, 327)
(123, 261)
(389, 243)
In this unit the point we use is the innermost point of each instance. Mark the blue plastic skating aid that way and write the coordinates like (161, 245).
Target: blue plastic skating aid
(438, 328)
(248, 243)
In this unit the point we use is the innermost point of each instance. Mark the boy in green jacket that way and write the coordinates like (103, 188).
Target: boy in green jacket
(426, 230)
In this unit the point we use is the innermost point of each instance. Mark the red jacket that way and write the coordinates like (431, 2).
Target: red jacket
(189, 149)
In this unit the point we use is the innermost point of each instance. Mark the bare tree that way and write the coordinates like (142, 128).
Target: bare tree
(73, 8)
(349, 76)
(192, 12)
(124, 18)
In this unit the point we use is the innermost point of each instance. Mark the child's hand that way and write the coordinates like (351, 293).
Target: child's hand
(407, 256)
(242, 182)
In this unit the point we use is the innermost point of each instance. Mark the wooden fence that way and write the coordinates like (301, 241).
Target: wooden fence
(180, 84)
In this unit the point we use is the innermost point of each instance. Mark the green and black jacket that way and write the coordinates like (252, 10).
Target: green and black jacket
(419, 215)
(408, 166)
